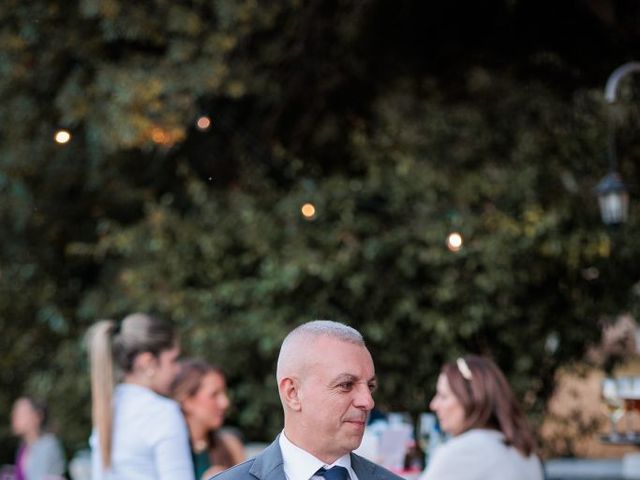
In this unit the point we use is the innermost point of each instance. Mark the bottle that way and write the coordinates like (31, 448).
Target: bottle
(426, 424)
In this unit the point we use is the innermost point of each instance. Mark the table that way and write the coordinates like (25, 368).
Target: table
(583, 469)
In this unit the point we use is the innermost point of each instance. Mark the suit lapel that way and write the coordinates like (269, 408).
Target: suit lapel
(268, 465)
(364, 470)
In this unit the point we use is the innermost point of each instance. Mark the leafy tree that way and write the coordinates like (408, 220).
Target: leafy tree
(399, 123)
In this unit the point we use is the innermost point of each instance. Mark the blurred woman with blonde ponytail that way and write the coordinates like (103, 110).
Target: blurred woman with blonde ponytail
(138, 433)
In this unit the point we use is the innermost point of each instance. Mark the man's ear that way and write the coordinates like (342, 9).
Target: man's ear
(290, 393)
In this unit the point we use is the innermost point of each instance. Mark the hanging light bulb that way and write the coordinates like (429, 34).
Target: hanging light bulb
(62, 136)
(454, 241)
(308, 211)
(203, 123)
(160, 136)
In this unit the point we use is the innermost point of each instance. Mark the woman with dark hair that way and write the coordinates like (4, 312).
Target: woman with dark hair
(201, 390)
(138, 433)
(40, 455)
(491, 436)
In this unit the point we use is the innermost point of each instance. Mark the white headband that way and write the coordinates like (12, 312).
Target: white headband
(465, 371)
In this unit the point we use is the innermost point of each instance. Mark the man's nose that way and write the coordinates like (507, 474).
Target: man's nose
(364, 399)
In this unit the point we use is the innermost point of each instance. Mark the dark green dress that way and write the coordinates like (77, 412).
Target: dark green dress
(201, 462)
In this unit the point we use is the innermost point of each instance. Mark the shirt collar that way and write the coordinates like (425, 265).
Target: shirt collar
(300, 464)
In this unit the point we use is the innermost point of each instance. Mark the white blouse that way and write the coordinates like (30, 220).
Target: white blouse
(150, 438)
(480, 454)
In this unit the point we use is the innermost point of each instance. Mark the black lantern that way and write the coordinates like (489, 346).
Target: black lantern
(613, 198)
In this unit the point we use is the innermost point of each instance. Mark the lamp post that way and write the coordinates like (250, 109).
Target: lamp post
(613, 196)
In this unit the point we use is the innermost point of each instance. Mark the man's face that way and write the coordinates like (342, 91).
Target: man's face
(335, 397)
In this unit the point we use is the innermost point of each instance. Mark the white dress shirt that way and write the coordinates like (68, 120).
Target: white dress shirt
(149, 441)
(301, 465)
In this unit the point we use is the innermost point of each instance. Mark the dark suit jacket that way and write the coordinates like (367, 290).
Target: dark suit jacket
(268, 466)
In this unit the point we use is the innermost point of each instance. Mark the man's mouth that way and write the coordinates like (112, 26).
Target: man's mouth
(358, 421)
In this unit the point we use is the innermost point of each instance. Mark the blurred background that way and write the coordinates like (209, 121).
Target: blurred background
(423, 171)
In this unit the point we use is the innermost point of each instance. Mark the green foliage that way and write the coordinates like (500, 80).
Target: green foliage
(238, 269)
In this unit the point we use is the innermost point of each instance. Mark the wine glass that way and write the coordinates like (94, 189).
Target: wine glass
(611, 394)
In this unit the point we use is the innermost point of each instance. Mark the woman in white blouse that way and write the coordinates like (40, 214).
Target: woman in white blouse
(491, 437)
(138, 433)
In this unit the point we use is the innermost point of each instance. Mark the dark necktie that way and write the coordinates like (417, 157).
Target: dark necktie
(334, 473)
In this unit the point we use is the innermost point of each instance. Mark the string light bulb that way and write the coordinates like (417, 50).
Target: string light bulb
(62, 136)
(160, 136)
(203, 123)
(454, 241)
(308, 211)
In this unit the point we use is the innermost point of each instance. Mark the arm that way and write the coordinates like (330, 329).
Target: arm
(96, 461)
(56, 461)
(172, 456)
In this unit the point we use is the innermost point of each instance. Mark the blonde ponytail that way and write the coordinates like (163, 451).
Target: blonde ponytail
(102, 379)
(109, 349)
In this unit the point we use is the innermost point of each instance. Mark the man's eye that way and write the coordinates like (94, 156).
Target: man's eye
(346, 386)
(372, 387)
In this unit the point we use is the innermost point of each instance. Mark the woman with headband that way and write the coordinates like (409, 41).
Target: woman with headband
(491, 437)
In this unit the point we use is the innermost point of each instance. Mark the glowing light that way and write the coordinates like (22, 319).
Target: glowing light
(454, 241)
(62, 136)
(308, 211)
(159, 136)
(203, 123)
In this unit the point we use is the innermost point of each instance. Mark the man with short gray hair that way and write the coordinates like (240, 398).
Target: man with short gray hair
(325, 380)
